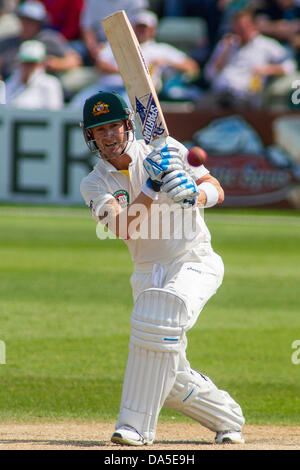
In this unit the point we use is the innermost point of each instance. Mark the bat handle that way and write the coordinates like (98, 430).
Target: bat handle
(158, 144)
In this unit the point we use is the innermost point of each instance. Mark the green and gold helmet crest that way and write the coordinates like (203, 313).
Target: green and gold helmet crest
(104, 108)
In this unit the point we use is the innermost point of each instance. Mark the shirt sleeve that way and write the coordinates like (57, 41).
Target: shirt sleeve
(175, 56)
(210, 70)
(106, 54)
(280, 55)
(94, 195)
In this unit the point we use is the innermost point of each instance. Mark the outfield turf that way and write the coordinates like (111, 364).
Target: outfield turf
(65, 304)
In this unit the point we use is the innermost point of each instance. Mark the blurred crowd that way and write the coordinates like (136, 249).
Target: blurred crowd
(228, 54)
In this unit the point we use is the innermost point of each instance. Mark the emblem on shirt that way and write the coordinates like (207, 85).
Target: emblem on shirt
(100, 108)
(122, 197)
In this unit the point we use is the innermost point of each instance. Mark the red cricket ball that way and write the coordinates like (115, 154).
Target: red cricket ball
(196, 156)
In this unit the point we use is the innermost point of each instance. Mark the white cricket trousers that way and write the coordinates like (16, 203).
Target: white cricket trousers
(194, 277)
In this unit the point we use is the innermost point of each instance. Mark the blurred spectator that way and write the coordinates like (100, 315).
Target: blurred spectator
(9, 21)
(64, 17)
(30, 87)
(279, 19)
(93, 13)
(162, 60)
(217, 15)
(242, 62)
(33, 18)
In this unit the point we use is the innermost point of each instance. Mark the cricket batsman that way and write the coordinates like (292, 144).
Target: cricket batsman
(150, 198)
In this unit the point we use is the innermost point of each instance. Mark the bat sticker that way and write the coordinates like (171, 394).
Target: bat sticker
(148, 115)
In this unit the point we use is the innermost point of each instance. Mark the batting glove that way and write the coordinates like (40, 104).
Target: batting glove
(160, 162)
(181, 187)
(167, 157)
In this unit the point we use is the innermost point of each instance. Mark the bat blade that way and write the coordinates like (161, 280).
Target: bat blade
(136, 77)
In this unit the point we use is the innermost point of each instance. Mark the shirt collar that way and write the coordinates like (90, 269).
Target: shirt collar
(131, 151)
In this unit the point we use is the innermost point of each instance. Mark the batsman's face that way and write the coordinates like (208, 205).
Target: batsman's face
(111, 139)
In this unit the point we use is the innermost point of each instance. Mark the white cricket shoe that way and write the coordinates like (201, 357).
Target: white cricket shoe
(128, 436)
(229, 437)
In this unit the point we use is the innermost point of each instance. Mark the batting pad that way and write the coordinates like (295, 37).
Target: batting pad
(196, 396)
(157, 325)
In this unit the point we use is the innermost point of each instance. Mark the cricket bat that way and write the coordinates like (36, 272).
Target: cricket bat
(136, 77)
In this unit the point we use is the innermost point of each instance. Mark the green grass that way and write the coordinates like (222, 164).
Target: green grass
(65, 304)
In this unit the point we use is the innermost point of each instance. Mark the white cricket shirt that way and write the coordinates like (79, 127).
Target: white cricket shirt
(168, 231)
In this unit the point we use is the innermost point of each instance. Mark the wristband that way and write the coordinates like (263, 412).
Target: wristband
(212, 194)
(149, 191)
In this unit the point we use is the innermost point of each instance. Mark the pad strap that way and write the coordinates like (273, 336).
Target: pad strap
(196, 396)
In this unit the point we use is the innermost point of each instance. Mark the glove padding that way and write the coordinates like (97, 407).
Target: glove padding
(180, 187)
(160, 162)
